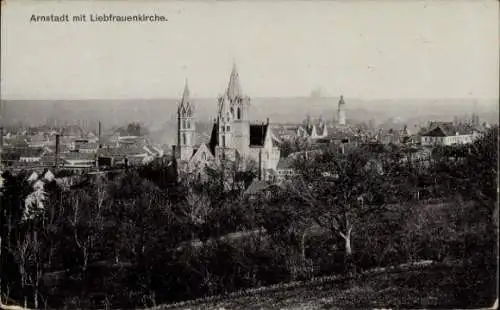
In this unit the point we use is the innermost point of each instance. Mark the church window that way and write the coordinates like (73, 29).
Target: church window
(228, 128)
(184, 138)
(187, 124)
(232, 111)
(239, 113)
(204, 156)
(223, 141)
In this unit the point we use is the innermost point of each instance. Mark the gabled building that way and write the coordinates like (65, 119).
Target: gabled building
(447, 133)
(31, 154)
(313, 130)
(285, 169)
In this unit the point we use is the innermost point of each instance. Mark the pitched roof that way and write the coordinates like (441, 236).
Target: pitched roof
(443, 129)
(121, 151)
(285, 163)
(214, 138)
(78, 156)
(258, 134)
(19, 141)
(31, 152)
(256, 186)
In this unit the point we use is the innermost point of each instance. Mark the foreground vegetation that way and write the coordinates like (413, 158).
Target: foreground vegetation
(431, 286)
(125, 240)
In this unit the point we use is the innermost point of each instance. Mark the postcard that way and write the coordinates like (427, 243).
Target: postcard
(249, 154)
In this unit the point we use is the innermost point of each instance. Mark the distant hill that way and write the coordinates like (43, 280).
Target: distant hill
(159, 114)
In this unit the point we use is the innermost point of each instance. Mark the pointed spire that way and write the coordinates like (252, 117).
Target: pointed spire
(234, 87)
(185, 94)
(185, 104)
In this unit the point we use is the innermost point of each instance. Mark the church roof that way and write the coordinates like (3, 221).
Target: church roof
(234, 87)
(214, 138)
(258, 134)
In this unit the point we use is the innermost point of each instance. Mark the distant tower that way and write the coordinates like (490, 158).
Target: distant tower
(475, 117)
(341, 111)
(185, 127)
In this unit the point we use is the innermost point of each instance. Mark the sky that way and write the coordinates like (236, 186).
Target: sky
(361, 49)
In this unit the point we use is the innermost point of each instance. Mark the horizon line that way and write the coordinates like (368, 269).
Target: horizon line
(258, 97)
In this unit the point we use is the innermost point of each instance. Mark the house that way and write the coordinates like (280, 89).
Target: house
(39, 140)
(284, 133)
(30, 155)
(285, 169)
(312, 130)
(88, 147)
(78, 160)
(260, 189)
(128, 156)
(448, 133)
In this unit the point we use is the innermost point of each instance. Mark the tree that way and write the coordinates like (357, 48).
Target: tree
(337, 190)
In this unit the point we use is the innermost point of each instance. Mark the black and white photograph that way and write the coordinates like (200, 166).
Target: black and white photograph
(238, 154)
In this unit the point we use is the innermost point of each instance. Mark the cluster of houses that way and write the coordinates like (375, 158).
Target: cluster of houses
(73, 147)
(419, 144)
(233, 137)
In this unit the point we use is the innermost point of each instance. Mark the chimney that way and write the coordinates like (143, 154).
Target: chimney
(56, 161)
(1, 146)
(99, 132)
(1, 138)
(260, 165)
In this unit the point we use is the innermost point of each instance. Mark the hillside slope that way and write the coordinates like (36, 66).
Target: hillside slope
(423, 285)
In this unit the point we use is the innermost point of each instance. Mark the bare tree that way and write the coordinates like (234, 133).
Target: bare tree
(337, 191)
(83, 240)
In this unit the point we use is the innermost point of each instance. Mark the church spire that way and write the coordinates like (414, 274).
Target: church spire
(185, 104)
(185, 94)
(234, 87)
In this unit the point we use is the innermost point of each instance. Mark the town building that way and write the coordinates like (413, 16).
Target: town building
(312, 130)
(285, 170)
(448, 133)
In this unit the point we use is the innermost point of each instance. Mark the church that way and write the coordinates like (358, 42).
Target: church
(233, 137)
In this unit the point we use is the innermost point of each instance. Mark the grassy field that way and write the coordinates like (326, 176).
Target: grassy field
(434, 286)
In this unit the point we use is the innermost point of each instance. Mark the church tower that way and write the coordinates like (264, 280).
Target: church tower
(239, 105)
(234, 130)
(341, 111)
(224, 122)
(185, 127)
